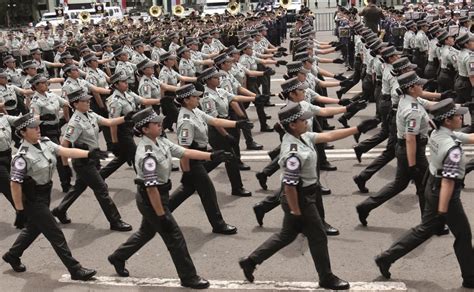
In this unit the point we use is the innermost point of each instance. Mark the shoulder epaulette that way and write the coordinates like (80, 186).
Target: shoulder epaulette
(23, 150)
(44, 139)
(148, 149)
(294, 147)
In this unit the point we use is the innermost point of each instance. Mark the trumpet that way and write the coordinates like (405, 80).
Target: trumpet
(233, 8)
(155, 11)
(178, 10)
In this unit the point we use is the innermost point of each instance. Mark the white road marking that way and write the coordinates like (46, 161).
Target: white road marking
(235, 285)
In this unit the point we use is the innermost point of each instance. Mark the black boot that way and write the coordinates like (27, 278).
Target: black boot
(14, 262)
(334, 283)
(196, 283)
(259, 213)
(249, 267)
(119, 266)
(120, 226)
(360, 182)
(62, 217)
(384, 266)
(262, 180)
(83, 274)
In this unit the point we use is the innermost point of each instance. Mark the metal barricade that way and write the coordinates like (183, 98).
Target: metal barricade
(324, 21)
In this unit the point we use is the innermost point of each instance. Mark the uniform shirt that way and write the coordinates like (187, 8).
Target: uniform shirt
(216, 44)
(434, 51)
(9, 92)
(198, 57)
(187, 67)
(14, 76)
(388, 80)
(238, 71)
(315, 69)
(412, 117)
(311, 80)
(49, 103)
(448, 57)
(129, 70)
(137, 57)
(83, 129)
(153, 160)
(395, 96)
(31, 45)
(298, 159)
(96, 77)
(358, 46)
(48, 44)
(421, 41)
(192, 127)
(447, 157)
(149, 87)
(6, 123)
(216, 102)
(258, 48)
(465, 69)
(378, 68)
(409, 40)
(39, 164)
(72, 85)
(368, 61)
(13, 45)
(129, 51)
(173, 48)
(229, 83)
(121, 103)
(309, 107)
(25, 81)
(109, 55)
(156, 53)
(169, 76)
(208, 50)
(249, 62)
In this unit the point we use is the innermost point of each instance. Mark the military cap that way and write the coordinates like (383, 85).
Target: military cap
(119, 52)
(187, 91)
(26, 121)
(106, 44)
(85, 50)
(410, 24)
(66, 55)
(35, 51)
(3, 73)
(214, 30)
(58, 44)
(145, 64)
(69, 67)
(38, 78)
(146, 116)
(446, 108)
(409, 79)
(8, 58)
(90, 57)
(464, 19)
(253, 33)
(181, 50)
(209, 73)
(118, 76)
(463, 38)
(402, 64)
(219, 59)
(167, 56)
(371, 38)
(358, 26)
(377, 45)
(232, 50)
(442, 36)
(205, 35)
(78, 95)
(303, 56)
(389, 51)
(367, 32)
(261, 27)
(29, 64)
(154, 39)
(297, 66)
(434, 30)
(291, 112)
(191, 41)
(421, 23)
(242, 46)
(173, 35)
(245, 38)
(124, 37)
(137, 43)
(292, 84)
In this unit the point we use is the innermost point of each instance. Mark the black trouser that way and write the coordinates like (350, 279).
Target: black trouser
(446, 80)
(252, 85)
(457, 222)
(5, 166)
(389, 129)
(463, 88)
(53, 132)
(378, 96)
(88, 176)
(151, 224)
(402, 178)
(16, 112)
(431, 72)
(368, 87)
(219, 142)
(264, 80)
(201, 183)
(40, 220)
(355, 77)
(311, 226)
(126, 155)
(271, 167)
(103, 112)
(247, 133)
(420, 59)
(170, 111)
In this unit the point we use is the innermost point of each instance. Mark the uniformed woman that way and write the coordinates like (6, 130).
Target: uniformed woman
(153, 163)
(442, 194)
(298, 160)
(462, 85)
(6, 123)
(47, 105)
(434, 54)
(31, 184)
(193, 133)
(83, 132)
(125, 67)
(120, 103)
(412, 123)
(448, 62)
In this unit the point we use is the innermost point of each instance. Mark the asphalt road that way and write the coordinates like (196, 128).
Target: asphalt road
(431, 267)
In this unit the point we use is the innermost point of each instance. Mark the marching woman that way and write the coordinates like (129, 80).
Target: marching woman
(442, 194)
(153, 163)
(193, 133)
(298, 160)
(31, 184)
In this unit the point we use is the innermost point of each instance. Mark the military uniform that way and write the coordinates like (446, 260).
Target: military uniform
(462, 83)
(409, 44)
(173, 48)
(137, 57)
(420, 53)
(6, 122)
(111, 64)
(156, 53)
(9, 92)
(129, 70)
(448, 64)
(72, 85)
(187, 67)
(14, 76)
(149, 87)
(432, 66)
(447, 163)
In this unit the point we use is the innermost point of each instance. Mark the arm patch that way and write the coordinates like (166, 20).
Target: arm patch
(292, 171)
(451, 163)
(18, 170)
(150, 177)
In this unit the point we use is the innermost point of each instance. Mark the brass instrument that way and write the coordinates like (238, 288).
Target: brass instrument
(155, 11)
(233, 8)
(178, 10)
(85, 17)
(285, 4)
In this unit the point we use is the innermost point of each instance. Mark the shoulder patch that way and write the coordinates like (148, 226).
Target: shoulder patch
(292, 163)
(455, 154)
(149, 164)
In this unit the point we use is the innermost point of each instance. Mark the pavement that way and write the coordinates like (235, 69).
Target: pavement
(431, 267)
